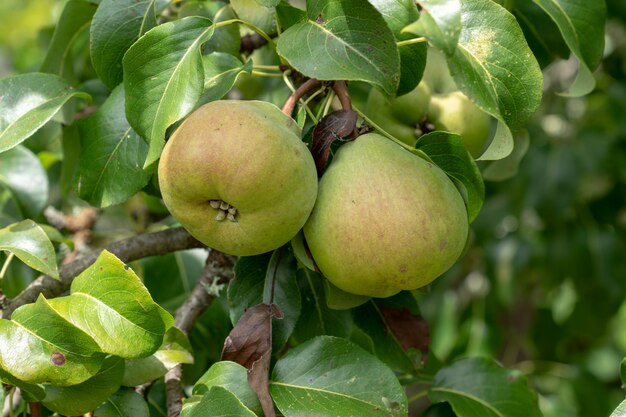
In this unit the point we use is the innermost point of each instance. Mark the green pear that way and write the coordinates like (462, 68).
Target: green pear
(237, 176)
(385, 220)
(454, 112)
(399, 116)
(437, 75)
(411, 108)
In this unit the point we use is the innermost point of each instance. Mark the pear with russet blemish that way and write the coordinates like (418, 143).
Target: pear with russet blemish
(385, 220)
(237, 176)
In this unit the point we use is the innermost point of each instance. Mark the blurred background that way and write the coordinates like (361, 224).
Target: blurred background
(543, 284)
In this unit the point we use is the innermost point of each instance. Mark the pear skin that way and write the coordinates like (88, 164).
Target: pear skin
(455, 113)
(385, 220)
(237, 176)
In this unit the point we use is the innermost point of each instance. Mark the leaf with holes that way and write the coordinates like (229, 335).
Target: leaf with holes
(111, 155)
(478, 387)
(31, 245)
(163, 78)
(27, 102)
(343, 40)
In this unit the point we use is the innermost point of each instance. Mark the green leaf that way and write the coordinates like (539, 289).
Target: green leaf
(347, 40)
(124, 403)
(620, 411)
(218, 402)
(494, 66)
(31, 244)
(174, 350)
(221, 71)
(39, 346)
(581, 23)
(440, 22)
(163, 78)
(79, 399)
(27, 102)
(478, 387)
(507, 168)
(111, 155)
(253, 284)
(622, 370)
(75, 18)
(447, 151)
(109, 302)
(116, 25)
(397, 15)
(289, 15)
(329, 376)
(254, 12)
(234, 378)
(30, 392)
(22, 172)
(317, 318)
(226, 39)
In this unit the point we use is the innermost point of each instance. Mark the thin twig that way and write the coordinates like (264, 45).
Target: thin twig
(341, 89)
(290, 104)
(217, 272)
(136, 247)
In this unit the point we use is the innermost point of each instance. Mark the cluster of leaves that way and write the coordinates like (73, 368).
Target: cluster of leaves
(119, 75)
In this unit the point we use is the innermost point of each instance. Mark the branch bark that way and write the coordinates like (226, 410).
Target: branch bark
(131, 249)
(217, 271)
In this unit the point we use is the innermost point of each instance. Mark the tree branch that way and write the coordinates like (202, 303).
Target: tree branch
(217, 271)
(136, 247)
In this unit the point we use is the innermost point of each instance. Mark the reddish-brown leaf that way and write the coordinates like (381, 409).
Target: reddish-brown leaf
(411, 330)
(335, 125)
(250, 345)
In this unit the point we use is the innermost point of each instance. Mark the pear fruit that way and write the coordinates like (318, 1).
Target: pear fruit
(237, 176)
(385, 220)
(400, 116)
(451, 110)
(454, 112)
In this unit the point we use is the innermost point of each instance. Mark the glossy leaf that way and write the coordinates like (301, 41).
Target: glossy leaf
(440, 22)
(447, 151)
(253, 284)
(163, 78)
(581, 23)
(109, 302)
(234, 378)
(124, 403)
(27, 102)
(30, 392)
(174, 350)
(31, 245)
(507, 168)
(75, 18)
(39, 346)
(397, 15)
(116, 25)
(328, 46)
(478, 387)
(79, 399)
(494, 66)
(329, 376)
(221, 71)
(317, 318)
(620, 411)
(111, 155)
(218, 402)
(22, 172)
(255, 12)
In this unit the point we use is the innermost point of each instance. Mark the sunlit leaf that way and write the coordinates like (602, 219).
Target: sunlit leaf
(31, 244)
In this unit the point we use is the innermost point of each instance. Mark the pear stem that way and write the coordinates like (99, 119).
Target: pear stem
(290, 104)
(382, 131)
(411, 41)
